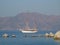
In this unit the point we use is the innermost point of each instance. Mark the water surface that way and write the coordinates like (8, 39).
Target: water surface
(22, 40)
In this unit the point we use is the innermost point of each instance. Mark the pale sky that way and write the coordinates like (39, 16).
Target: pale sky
(13, 7)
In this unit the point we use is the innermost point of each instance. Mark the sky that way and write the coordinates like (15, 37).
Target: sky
(14, 7)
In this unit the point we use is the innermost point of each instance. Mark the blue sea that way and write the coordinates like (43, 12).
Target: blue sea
(21, 39)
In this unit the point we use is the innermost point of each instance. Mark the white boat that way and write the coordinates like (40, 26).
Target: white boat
(13, 35)
(5, 35)
(57, 35)
(51, 34)
(47, 35)
(27, 29)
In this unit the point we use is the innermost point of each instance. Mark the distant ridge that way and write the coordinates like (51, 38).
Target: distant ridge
(43, 22)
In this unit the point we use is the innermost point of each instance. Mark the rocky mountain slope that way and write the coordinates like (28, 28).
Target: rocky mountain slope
(41, 21)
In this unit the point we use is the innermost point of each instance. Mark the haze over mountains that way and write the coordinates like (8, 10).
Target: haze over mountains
(41, 21)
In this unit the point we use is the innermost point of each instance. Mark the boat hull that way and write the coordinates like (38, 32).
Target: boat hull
(28, 31)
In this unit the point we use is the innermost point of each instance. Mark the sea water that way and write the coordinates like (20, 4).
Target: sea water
(21, 39)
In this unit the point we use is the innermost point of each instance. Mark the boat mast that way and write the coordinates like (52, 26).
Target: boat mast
(35, 26)
(27, 24)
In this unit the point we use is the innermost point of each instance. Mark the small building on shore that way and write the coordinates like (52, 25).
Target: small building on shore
(57, 35)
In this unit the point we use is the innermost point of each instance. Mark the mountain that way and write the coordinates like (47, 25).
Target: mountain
(41, 21)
